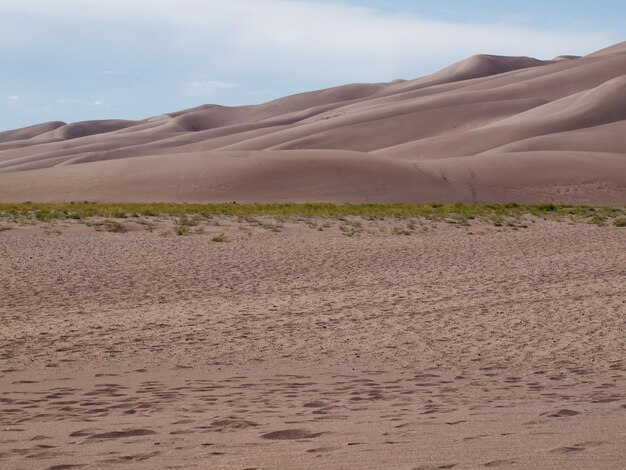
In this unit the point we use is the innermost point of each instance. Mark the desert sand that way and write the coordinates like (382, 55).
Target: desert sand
(293, 345)
(487, 129)
(325, 343)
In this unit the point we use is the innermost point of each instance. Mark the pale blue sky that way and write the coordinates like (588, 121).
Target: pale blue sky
(75, 60)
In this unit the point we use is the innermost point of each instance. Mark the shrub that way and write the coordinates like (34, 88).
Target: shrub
(182, 230)
(619, 222)
(44, 215)
(219, 238)
(113, 226)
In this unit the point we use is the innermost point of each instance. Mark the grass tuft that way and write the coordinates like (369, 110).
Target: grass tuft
(113, 226)
(219, 238)
(108, 226)
(619, 222)
(182, 230)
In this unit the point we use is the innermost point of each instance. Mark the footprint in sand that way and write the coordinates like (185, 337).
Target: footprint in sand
(132, 458)
(315, 404)
(121, 434)
(289, 434)
(66, 466)
(435, 467)
(563, 413)
(576, 447)
(92, 434)
(499, 463)
(322, 450)
(232, 424)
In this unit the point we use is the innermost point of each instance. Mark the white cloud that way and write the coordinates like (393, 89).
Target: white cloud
(310, 28)
(13, 97)
(189, 52)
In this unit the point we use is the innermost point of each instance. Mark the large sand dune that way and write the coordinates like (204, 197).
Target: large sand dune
(486, 129)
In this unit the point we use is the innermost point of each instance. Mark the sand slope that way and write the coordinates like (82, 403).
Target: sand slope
(488, 128)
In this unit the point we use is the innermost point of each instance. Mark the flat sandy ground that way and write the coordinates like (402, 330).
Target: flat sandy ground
(295, 345)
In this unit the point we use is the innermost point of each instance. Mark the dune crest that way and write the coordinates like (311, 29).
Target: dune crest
(488, 128)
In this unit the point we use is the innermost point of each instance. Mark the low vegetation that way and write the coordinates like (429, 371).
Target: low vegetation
(182, 230)
(188, 215)
(219, 238)
(350, 229)
(108, 226)
(401, 231)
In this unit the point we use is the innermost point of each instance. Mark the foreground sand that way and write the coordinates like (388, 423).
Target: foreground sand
(292, 345)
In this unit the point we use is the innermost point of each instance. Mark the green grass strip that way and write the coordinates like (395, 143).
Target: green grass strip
(82, 210)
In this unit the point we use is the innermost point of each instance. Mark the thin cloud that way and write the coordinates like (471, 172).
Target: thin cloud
(190, 52)
(310, 27)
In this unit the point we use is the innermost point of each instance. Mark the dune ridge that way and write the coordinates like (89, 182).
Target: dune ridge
(486, 129)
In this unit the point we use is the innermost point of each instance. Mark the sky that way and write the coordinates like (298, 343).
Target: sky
(75, 60)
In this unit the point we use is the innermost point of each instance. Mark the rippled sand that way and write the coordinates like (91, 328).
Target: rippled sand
(450, 347)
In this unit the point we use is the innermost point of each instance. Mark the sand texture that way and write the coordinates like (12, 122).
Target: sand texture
(306, 344)
(487, 129)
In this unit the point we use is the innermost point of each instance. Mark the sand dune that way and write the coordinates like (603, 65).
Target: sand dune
(512, 122)
(11, 137)
(296, 176)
